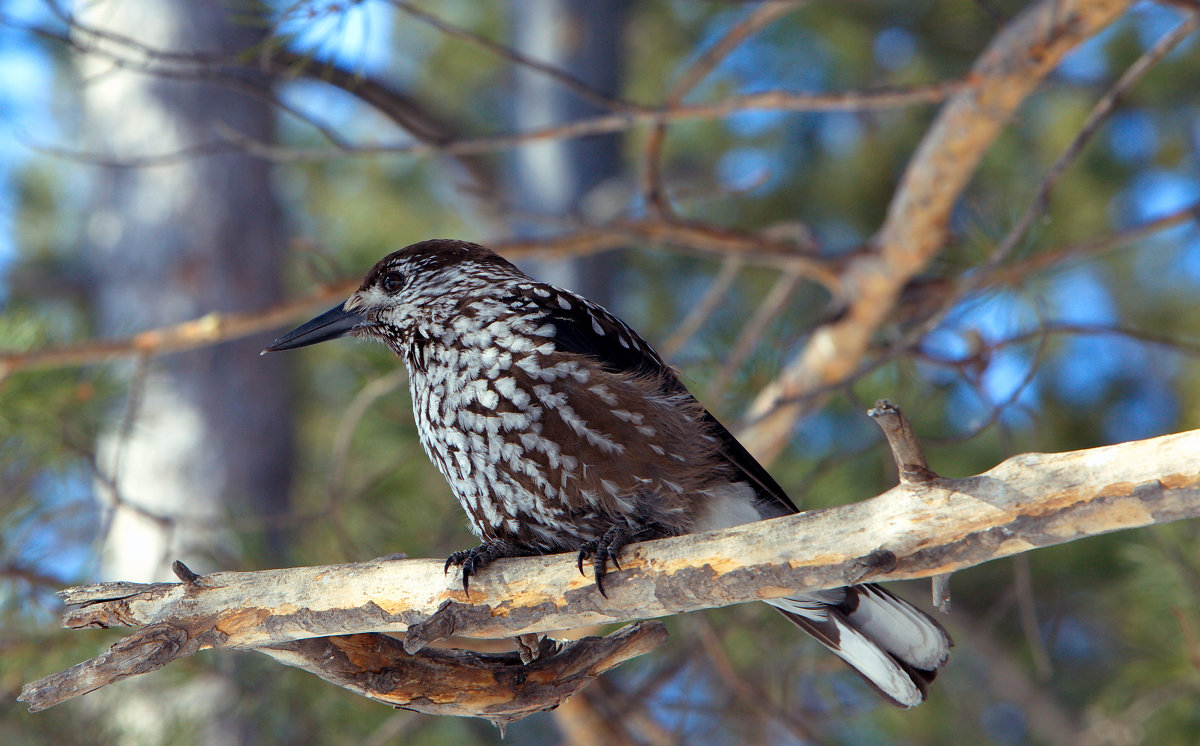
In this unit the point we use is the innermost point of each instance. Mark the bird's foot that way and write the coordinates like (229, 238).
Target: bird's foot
(475, 559)
(605, 549)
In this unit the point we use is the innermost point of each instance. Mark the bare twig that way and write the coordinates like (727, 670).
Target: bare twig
(940, 593)
(915, 228)
(1018, 272)
(760, 17)
(202, 332)
(339, 457)
(568, 81)
(772, 305)
(1050, 721)
(1014, 274)
(906, 449)
(713, 296)
(612, 123)
(1096, 117)
(218, 327)
(1027, 613)
(433, 133)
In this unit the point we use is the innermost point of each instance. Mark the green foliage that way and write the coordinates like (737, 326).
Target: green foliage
(1118, 615)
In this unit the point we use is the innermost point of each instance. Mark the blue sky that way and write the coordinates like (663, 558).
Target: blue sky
(364, 36)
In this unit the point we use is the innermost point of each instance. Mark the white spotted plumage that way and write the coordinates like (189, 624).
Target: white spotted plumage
(558, 428)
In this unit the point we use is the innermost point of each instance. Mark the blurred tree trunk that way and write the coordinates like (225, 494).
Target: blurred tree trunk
(566, 178)
(205, 435)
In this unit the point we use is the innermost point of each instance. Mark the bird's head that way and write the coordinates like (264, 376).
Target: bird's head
(427, 282)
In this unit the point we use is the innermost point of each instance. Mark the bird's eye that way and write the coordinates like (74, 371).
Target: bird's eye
(392, 282)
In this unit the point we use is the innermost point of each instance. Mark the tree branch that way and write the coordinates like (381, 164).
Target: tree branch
(216, 327)
(1008, 71)
(914, 530)
(499, 687)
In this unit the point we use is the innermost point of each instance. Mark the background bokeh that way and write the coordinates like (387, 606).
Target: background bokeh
(124, 208)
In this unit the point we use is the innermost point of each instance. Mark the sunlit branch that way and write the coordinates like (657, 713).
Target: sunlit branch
(915, 227)
(917, 529)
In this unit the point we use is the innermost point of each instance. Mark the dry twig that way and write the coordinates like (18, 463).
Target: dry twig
(915, 228)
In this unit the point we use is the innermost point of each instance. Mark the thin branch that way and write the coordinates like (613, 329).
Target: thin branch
(582, 722)
(1012, 275)
(433, 134)
(1188, 347)
(911, 466)
(915, 228)
(1018, 272)
(994, 272)
(1027, 614)
(362, 402)
(713, 296)
(615, 123)
(1096, 117)
(216, 327)
(749, 695)
(207, 330)
(248, 73)
(772, 305)
(1005, 678)
(911, 531)
(36, 578)
(760, 17)
(568, 81)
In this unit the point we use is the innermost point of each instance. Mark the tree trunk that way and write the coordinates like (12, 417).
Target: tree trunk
(562, 178)
(205, 435)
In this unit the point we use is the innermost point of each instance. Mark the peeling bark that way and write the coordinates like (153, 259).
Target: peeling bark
(498, 687)
(914, 530)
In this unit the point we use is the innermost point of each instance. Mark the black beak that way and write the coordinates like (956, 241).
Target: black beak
(334, 323)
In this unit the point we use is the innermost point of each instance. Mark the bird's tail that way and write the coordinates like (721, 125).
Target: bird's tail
(895, 646)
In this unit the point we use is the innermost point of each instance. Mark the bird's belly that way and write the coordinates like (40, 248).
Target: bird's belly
(500, 503)
(729, 505)
(541, 453)
(509, 488)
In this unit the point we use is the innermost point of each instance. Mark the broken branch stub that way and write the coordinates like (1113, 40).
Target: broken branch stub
(911, 531)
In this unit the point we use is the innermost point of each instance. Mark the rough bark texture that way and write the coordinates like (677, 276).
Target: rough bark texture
(913, 530)
(499, 687)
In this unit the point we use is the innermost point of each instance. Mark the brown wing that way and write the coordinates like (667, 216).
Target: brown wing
(589, 329)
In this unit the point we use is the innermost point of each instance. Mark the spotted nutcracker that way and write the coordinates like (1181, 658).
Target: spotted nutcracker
(560, 429)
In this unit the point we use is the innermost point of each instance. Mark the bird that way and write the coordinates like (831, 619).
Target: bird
(559, 429)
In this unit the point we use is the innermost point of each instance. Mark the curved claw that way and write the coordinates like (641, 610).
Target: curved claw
(600, 569)
(474, 559)
(468, 569)
(601, 551)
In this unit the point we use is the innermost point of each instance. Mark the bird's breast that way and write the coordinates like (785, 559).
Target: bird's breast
(548, 448)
